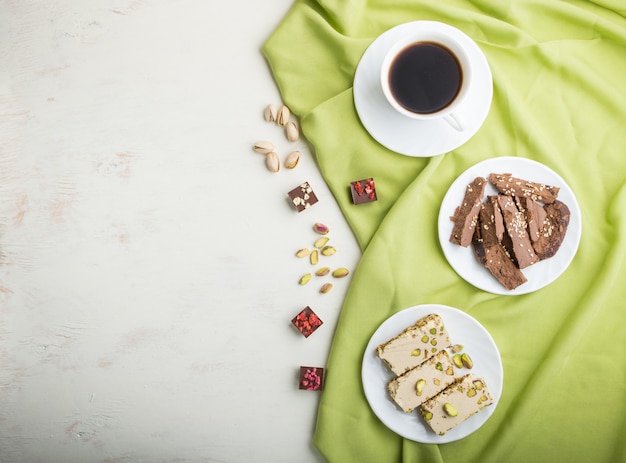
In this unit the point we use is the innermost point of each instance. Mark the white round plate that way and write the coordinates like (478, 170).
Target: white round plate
(464, 330)
(408, 136)
(463, 260)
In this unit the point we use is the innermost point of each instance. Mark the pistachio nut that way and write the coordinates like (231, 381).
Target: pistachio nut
(302, 252)
(341, 272)
(321, 228)
(456, 348)
(449, 409)
(320, 243)
(419, 386)
(456, 359)
(322, 272)
(467, 361)
(326, 287)
(416, 352)
(328, 251)
(305, 279)
(314, 257)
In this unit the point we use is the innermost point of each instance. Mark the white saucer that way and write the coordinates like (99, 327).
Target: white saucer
(408, 136)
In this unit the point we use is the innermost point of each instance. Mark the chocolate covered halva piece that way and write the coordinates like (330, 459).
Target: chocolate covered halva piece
(466, 215)
(415, 344)
(512, 186)
(412, 388)
(489, 250)
(455, 404)
(553, 229)
(516, 228)
(535, 217)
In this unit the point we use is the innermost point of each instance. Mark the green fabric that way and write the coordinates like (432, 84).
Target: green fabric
(559, 73)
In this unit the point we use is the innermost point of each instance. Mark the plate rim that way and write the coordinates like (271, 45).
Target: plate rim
(463, 429)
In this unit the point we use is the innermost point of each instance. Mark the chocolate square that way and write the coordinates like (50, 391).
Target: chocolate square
(306, 321)
(363, 191)
(311, 379)
(302, 196)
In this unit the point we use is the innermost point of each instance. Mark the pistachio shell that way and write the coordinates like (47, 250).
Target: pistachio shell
(272, 162)
(263, 147)
(270, 113)
(283, 116)
(292, 159)
(291, 132)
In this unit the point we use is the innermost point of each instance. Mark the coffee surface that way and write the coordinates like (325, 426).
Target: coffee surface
(425, 77)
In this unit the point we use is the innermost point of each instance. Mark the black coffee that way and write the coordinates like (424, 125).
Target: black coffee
(425, 77)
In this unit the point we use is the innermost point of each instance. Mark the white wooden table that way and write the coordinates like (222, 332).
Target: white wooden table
(147, 269)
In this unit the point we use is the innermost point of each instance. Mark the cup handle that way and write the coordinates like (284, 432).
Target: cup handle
(455, 121)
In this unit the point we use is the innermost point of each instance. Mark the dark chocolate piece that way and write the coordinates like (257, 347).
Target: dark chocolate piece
(311, 379)
(363, 191)
(302, 196)
(306, 321)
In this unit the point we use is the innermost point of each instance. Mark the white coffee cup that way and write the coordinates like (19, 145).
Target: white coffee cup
(423, 62)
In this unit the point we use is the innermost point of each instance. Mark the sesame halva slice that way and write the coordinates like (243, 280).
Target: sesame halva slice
(455, 404)
(412, 388)
(415, 344)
